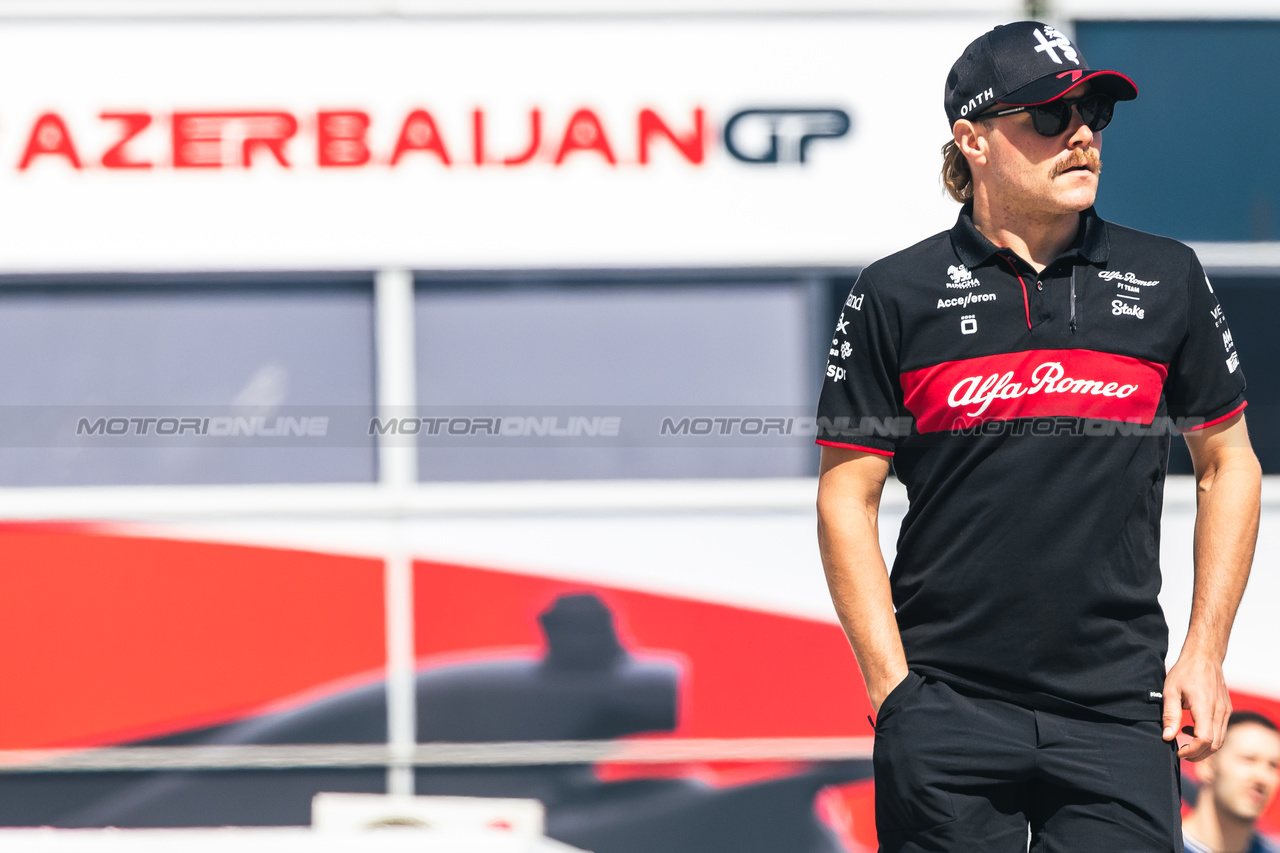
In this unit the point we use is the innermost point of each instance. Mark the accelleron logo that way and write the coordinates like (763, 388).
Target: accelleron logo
(963, 301)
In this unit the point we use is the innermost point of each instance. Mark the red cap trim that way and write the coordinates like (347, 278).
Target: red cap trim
(874, 450)
(1079, 82)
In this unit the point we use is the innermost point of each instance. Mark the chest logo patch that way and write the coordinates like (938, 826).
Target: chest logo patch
(1032, 384)
(1126, 281)
(963, 301)
(1125, 309)
(961, 277)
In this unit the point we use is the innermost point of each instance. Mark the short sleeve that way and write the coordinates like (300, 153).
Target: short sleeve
(858, 408)
(1206, 382)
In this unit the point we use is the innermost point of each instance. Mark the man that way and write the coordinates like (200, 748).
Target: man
(1236, 785)
(1022, 370)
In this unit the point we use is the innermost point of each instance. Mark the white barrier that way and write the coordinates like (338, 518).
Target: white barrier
(286, 840)
(504, 816)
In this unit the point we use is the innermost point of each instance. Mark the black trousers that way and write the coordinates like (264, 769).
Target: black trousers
(957, 772)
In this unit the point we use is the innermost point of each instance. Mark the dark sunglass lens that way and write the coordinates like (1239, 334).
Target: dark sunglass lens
(1097, 111)
(1050, 119)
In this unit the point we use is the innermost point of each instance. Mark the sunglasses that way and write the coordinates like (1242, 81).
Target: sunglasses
(1054, 117)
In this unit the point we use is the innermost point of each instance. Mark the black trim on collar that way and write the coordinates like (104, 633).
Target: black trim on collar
(974, 249)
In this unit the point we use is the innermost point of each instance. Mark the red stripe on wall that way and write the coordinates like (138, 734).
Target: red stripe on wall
(1037, 383)
(112, 638)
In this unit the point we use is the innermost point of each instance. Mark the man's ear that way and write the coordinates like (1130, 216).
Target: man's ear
(971, 139)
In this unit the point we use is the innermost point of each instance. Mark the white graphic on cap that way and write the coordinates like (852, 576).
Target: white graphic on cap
(1050, 39)
(977, 101)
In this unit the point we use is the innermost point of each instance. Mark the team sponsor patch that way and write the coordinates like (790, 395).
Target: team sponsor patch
(963, 301)
(961, 277)
(1124, 309)
(1122, 278)
(1033, 384)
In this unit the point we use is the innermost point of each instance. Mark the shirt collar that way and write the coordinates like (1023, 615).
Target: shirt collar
(973, 249)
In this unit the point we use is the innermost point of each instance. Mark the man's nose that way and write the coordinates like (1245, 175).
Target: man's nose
(1081, 136)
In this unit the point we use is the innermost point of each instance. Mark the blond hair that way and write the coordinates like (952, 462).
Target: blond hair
(956, 176)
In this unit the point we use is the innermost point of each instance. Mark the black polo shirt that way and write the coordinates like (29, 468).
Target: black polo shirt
(1029, 417)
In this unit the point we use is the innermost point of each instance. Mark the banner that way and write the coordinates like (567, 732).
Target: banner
(471, 144)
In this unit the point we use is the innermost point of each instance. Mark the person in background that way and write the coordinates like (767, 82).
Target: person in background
(1237, 784)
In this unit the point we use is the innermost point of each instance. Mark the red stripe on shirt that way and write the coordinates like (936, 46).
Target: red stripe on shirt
(874, 450)
(1026, 303)
(1036, 383)
(1231, 414)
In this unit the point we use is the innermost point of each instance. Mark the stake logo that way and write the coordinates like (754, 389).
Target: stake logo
(1124, 309)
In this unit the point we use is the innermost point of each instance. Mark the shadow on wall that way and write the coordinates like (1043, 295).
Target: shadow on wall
(588, 686)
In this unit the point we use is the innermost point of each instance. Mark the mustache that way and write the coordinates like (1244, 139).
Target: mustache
(1086, 157)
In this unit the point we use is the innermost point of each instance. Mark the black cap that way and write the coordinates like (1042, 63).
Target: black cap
(1023, 64)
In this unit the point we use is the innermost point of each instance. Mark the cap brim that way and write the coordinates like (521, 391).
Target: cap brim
(1054, 86)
